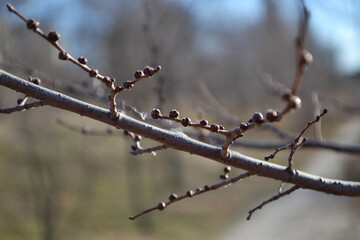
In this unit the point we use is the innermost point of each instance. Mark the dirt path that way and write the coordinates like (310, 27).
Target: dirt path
(307, 214)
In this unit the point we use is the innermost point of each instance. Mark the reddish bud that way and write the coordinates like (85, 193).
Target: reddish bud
(118, 89)
(286, 94)
(53, 36)
(258, 117)
(295, 102)
(243, 126)
(173, 197)
(214, 127)
(174, 113)
(204, 122)
(227, 169)
(271, 115)
(32, 24)
(137, 138)
(224, 176)
(138, 74)
(161, 206)
(148, 70)
(106, 79)
(63, 55)
(36, 81)
(82, 60)
(157, 69)
(128, 84)
(185, 121)
(93, 72)
(155, 113)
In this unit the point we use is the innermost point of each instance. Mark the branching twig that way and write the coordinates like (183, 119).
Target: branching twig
(136, 149)
(22, 107)
(53, 38)
(140, 150)
(276, 197)
(296, 142)
(174, 198)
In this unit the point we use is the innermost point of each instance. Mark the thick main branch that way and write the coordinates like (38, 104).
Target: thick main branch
(179, 141)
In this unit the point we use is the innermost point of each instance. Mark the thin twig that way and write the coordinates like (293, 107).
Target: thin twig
(276, 197)
(22, 107)
(139, 151)
(173, 198)
(81, 62)
(295, 143)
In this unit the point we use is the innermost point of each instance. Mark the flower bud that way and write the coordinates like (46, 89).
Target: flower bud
(155, 113)
(138, 74)
(174, 113)
(185, 121)
(148, 70)
(82, 60)
(36, 81)
(271, 115)
(214, 127)
(204, 122)
(53, 36)
(227, 169)
(190, 193)
(295, 102)
(258, 117)
(173, 197)
(63, 55)
(243, 126)
(32, 24)
(161, 206)
(128, 85)
(93, 72)
(306, 58)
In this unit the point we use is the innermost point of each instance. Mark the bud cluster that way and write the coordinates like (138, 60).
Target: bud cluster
(174, 115)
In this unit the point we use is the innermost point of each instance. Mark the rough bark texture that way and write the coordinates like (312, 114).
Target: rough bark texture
(178, 140)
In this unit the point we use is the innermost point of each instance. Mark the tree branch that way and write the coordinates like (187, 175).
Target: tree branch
(274, 198)
(179, 141)
(21, 107)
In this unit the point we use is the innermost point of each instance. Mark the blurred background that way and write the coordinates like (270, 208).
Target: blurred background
(215, 56)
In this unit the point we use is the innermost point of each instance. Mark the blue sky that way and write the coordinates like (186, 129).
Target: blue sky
(334, 24)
